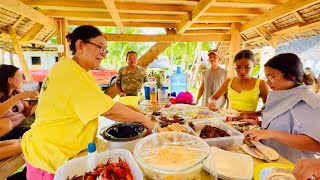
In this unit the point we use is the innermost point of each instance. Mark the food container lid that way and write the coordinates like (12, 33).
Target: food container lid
(171, 152)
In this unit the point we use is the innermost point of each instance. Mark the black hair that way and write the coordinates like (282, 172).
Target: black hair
(247, 54)
(84, 33)
(129, 53)
(291, 66)
(6, 71)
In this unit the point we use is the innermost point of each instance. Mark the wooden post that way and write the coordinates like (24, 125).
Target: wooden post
(62, 32)
(17, 47)
(154, 52)
(235, 47)
(65, 29)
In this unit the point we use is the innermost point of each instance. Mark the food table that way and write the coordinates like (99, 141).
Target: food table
(103, 146)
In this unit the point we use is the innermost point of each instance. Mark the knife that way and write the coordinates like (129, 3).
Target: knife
(254, 148)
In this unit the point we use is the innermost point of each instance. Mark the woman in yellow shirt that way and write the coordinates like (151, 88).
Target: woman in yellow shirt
(244, 90)
(69, 105)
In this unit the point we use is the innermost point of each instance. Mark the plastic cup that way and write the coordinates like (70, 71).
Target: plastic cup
(147, 92)
(162, 95)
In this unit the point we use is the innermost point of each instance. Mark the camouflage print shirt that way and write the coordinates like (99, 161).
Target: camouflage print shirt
(131, 80)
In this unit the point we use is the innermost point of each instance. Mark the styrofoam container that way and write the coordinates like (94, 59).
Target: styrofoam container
(78, 166)
(205, 112)
(229, 165)
(232, 142)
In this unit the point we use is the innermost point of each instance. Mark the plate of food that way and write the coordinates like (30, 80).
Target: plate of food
(228, 112)
(243, 126)
(170, 119)
(269, 152)
(172, 127)
(273, 171)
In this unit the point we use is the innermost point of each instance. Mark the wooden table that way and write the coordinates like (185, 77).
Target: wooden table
(103, 146)
(10, 165)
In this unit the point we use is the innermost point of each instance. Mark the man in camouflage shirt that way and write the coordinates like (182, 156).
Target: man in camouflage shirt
(131, 78)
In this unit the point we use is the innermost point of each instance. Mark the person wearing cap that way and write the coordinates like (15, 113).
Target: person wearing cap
(212, 80)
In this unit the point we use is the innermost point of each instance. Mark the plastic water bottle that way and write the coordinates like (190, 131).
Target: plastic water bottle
(178, 82)
(92, 151)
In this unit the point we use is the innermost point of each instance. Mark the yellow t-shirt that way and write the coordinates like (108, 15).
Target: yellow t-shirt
(66, 117)
(246, 100)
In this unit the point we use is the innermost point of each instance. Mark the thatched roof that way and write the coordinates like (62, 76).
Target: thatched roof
(260, 22)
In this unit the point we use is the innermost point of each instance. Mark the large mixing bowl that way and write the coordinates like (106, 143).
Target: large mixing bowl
(171, 155)
(123, 135)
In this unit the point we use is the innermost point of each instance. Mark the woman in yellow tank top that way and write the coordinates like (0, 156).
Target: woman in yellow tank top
(244, 90)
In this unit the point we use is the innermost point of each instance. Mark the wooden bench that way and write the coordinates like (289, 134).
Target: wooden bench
(10, 165)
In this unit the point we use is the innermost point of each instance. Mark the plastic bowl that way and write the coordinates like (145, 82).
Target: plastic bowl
(171, 155)
(123, 135)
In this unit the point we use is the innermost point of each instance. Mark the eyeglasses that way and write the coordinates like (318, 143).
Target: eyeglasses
(101, 48)
(271, 78)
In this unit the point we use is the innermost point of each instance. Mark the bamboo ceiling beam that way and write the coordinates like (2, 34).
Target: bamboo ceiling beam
(297, 28)
(5, 36)
(263, 32)
(199, 26)
(141, 8)
(207, 31)
(222, 19)
(31, 34)
(113, 11)
(28, 12)
(167, 38)
(277, 12)
(18, 50)
(124, 17)
(15, 24)
(128, 24)
(299, 17)
(191, 17)
(227, 11)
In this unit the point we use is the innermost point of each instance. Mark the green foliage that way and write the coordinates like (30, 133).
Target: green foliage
(256, 70)
(181, 53)
(118, 50)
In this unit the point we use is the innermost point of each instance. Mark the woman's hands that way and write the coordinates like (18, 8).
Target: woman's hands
(307, 168)
(258, 135)
(212, 104)
(27, 94)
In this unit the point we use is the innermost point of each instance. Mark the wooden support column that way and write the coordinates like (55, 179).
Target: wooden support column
(235, 47)
(32, 33)
(62, 33)
(17, 47)
(154, 52)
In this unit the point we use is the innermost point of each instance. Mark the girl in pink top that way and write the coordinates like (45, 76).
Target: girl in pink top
(12, 105)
